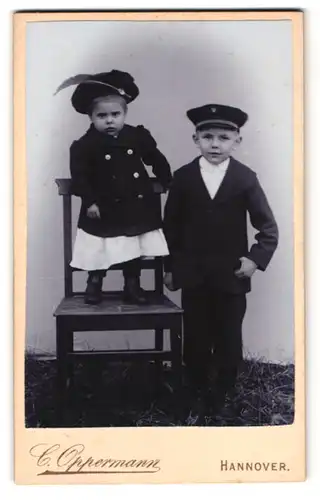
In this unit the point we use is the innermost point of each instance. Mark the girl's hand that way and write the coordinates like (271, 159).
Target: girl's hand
(248, 267)
(168, 281)
(93, 212)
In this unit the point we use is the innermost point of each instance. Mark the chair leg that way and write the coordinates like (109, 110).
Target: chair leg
(70, 366)
(176, 349)
(64, 339)
(158, 363)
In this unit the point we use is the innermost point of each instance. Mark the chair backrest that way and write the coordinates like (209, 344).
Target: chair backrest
(65, 190)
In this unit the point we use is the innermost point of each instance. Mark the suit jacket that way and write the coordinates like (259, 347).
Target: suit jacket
(110, 172)
(206, 237)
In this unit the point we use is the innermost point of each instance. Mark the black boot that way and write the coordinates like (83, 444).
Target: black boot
(215, 400)
(133, 293)
(223, 393)
(93, 293)
(198, 410)
(197, 388)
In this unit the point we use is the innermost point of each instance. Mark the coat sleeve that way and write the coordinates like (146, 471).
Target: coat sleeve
(173, 221)
(79, 170)
(152, 156)
(263, 220)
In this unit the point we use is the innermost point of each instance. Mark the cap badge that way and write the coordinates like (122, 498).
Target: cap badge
(121, 91)
(213, 110)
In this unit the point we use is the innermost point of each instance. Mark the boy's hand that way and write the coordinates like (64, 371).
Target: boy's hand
(168, 281)
(93, 212)
(247, 268)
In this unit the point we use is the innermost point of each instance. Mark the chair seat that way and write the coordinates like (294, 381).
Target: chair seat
(113, 305)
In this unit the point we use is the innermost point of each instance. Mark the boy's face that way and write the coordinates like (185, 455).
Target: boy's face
(216, 144)
(108, 116)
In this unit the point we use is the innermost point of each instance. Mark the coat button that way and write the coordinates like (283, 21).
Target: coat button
(130, 152)
(136, 175)
(140, 196)
(108, 157)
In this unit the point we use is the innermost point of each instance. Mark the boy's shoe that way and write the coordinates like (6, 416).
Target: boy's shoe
(221, 402)
(197, 406)
(93, 293)
(133, 293)
(215, 401)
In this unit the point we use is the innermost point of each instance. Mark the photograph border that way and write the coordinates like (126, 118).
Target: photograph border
(274, 445)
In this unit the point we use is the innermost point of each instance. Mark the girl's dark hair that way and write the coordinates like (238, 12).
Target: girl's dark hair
(108, 97)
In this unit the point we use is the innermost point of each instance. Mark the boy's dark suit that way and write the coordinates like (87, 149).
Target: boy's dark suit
(206, 239)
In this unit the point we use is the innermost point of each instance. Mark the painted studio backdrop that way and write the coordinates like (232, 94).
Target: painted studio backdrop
(177, 65)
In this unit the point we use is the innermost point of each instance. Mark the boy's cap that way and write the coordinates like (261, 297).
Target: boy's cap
(89, 87)
(218, 116)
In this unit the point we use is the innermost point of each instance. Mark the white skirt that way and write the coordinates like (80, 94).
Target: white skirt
(93, 252)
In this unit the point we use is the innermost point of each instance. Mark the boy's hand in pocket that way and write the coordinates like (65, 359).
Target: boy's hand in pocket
(93, 212)
(247, 268)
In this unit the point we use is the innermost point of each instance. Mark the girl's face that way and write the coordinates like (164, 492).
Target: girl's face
(108, 115)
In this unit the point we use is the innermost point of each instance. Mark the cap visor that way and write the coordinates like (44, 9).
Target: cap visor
(217, 124)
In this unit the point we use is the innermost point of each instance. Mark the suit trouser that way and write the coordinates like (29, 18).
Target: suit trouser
(212, 331)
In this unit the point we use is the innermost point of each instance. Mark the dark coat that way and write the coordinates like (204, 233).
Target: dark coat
(110, 172)
(206, 237)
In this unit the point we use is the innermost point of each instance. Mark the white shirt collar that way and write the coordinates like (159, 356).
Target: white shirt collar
(208, 167)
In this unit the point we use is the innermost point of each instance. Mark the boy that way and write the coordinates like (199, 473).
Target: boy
(206, 229)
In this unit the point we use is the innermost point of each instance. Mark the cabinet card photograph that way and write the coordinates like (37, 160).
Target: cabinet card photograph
(159, 304)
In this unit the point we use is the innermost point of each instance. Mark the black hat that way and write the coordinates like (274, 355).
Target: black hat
(101, 84)
(217, 115)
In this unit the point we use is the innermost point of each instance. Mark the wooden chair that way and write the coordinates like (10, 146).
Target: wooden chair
(73, 315)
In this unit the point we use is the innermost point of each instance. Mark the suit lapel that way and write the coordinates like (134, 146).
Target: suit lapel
(227, 188)
(227, 185)
(198, 182)
(232, 183)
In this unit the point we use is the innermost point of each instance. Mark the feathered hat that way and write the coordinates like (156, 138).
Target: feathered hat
(89, 87)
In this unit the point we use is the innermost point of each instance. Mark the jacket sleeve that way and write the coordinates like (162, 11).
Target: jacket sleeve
(263, 220)
(173, 221)
(79, 170)
(152, 156)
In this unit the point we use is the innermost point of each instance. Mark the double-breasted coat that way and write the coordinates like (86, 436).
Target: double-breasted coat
(111, 173)
(207, 237)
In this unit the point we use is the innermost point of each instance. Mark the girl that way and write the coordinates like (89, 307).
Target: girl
(119, 221)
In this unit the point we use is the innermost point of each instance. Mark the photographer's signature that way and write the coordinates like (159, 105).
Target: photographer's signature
(56, 460)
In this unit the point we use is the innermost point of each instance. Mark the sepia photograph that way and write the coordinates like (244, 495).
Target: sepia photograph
(204, 110)
(160, 225)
